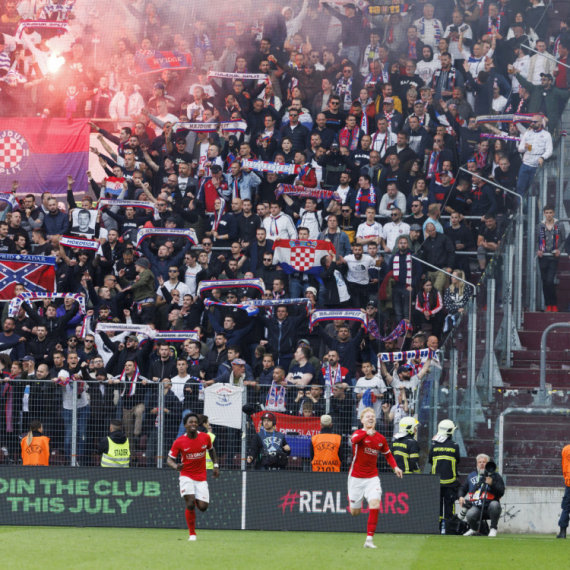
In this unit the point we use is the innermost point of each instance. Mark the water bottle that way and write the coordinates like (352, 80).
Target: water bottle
(443, 526)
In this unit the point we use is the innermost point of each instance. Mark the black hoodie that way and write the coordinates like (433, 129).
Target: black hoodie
(117, 436)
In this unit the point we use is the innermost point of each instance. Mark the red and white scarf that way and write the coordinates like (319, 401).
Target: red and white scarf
(408, 268)
(133, 381)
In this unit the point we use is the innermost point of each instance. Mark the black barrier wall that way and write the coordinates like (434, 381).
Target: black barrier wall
(319, 502)
(142, 498)
(150, 498)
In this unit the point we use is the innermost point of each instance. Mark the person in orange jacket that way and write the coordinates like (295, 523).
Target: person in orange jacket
(565, 516)
(35, 446)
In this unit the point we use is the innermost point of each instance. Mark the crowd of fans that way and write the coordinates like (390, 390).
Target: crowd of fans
(391, 113)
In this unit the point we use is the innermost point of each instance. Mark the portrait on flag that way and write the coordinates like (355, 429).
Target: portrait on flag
(83, 222)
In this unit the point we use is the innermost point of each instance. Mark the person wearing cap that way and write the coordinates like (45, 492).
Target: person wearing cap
(352, 31)
(268, 448)
(326, 448)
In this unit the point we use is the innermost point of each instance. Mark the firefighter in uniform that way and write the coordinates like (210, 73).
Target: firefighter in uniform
(444, 458)
(325, 448)
(114, 449)
(405, 448)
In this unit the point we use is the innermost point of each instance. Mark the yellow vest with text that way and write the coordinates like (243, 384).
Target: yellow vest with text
(209, 462)
(118, 455)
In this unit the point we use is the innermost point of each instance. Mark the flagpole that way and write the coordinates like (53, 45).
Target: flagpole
(547, 56)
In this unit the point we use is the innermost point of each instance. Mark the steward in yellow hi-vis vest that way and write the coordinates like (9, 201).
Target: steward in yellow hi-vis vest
(114, 449)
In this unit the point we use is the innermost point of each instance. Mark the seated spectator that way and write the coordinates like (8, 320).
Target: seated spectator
(488, 240)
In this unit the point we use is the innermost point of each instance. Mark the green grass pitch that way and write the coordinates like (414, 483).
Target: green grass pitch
(119, 548)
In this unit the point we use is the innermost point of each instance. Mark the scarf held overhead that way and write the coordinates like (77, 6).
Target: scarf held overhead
(340, 315)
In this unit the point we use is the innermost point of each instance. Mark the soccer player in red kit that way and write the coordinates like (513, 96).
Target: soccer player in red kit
(363, 480)
(192, 446)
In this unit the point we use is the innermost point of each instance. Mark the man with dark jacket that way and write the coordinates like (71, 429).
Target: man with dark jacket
(55, 325)
(482, 489)
(346, 346)
(295, 131)
(405, 448)
(55, 222)
(41, 347)
(438, 250)
(114, 448)
(282, 331)
(444, 457)
(165, 366)
(545, 98)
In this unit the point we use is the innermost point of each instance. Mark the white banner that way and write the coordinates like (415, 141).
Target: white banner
(223, 405)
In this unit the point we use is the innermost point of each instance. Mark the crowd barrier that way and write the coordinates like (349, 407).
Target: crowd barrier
(150, 498)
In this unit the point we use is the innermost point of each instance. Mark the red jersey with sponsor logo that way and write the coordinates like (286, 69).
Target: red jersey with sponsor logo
(193, 453)
(365, 450)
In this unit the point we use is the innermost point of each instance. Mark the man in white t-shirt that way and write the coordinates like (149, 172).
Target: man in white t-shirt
(178, 383)
(394, 230)
(371, 382)
(404, 381)
(191, 269)
(370, 231)
(343, 189)
(172, 283)
(163, 114)
(357, 276)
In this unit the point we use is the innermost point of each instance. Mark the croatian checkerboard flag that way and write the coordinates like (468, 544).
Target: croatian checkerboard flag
(40, 153)
(301, 255)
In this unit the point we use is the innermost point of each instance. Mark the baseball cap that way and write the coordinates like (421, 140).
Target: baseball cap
(28, 358)
(372, 303)
(447, 173)
(216, 169)
(425, 88)
(238, 362)
(335, 144)
(403, 368)
(419, 102)
(326, 420)
(388, 100)
(415, 228)
(158, 85)
(350, 5)
(547, 75)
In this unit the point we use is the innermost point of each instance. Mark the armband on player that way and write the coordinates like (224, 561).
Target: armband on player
(216, 466)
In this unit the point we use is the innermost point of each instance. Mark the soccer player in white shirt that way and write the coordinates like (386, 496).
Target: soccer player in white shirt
(370, 231)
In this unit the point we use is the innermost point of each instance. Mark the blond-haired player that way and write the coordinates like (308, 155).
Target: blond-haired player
(363, 480)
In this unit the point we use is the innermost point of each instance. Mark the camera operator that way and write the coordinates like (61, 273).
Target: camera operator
(483, 488)
(269, 448)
